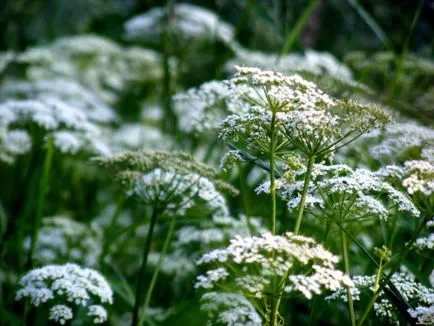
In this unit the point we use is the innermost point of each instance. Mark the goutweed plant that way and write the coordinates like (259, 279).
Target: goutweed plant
(112, 210)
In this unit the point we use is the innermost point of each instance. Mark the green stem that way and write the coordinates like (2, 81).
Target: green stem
(170, 122)
(304, 193)
(110, 231)
(274, 312)
(298, 27)
(158, 266)
(368, 308)
(41, 200)
(272, 172)
(245, 198)
(387, 278)
(140, 278)
(374, 295)
(401, 59)
(347, 272)
(370, 21)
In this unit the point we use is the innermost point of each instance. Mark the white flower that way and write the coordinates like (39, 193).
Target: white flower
(259, 259)
(302, 116)
(178, 191)
(203, 108)
(72, 127)
(137, 136)
(231, 309)
(61, 314)
(63, 90)
(419, 177)
(100, 64)
(98, 313)
(188, 22)
(61, 238)
(75, 285)
(390, 143)
(412, 292)
(313, 61)
(13, 143)
(424, 315)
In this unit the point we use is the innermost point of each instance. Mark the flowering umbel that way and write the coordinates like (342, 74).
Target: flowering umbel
(67, 287)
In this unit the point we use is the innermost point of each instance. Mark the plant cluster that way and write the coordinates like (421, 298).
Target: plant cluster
(169, 172)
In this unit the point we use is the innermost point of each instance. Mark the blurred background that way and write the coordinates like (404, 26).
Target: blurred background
(335, 25)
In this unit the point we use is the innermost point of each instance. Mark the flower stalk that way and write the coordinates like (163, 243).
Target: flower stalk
(344, 245)
(41, 200)
(158, 267)
(307, 177)
(140, 276)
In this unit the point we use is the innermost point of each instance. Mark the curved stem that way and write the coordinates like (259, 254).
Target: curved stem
(347, 272)
(41, 200)
(304, 193)
(140, 280)
(158, 267)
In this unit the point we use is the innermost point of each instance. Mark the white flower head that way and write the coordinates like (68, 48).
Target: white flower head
(70, 283)
(231, 309)
(188, 22)
(303, 266)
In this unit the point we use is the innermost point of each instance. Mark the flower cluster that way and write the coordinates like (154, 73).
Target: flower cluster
(171, 182)
(103, 66)
(137, 136)
(412, 292)
(231, 309)
(362, 194)
(416, 177)
(312, 61)
(299, 114)
(74, 124)
(67, 286)
(427, 242)
(392, 143)
(420, 177)
(203, 108)
(187, 22)
(61, 239)
(250, 263)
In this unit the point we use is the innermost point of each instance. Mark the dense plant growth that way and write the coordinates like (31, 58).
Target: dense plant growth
(172, 171)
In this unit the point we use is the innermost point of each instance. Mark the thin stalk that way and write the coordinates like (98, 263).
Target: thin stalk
(347, 272)
(41, 200)
(375, 295)
(245, 198)
(274, 312)
(111, 228)
(274, 301)
(140, 279)
(272, 175)
(387, 278)
(158, 267)
(304, 193)
(400, 63)
(370, 21)
(170, 123)
(298, 27)
(370, 304)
